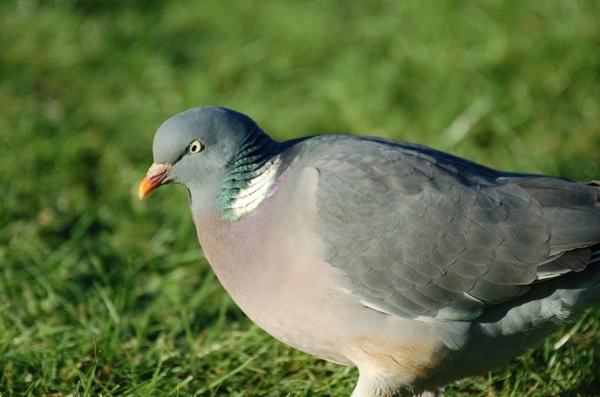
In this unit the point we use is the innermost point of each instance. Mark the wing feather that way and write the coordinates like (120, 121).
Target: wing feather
(424, 234)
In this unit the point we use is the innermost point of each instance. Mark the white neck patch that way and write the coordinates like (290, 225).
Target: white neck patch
(252, 195)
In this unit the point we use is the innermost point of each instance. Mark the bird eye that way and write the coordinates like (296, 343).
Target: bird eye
(195, 147)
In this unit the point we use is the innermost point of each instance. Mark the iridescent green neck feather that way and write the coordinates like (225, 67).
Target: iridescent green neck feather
(251, 175)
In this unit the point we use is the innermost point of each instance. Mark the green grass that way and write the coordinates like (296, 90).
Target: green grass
(101, 294)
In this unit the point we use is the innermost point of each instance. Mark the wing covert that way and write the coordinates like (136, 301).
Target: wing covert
(420, 236)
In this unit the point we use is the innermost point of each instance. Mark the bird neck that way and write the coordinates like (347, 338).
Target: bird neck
(251, 177)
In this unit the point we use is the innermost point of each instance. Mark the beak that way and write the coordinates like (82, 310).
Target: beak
(154, 178)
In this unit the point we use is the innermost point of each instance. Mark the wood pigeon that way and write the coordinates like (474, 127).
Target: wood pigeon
(418, 267)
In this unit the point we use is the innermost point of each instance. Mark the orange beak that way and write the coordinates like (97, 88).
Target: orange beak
(154, 178)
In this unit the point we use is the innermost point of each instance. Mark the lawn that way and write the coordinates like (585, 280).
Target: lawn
(105, 295)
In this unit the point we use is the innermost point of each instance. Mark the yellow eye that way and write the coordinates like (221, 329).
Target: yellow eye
(195, 147)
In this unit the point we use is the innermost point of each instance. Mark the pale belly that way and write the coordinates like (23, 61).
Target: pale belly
(291, 294)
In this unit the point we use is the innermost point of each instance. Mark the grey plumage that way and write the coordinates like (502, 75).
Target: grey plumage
(445, 236)
(389, 256)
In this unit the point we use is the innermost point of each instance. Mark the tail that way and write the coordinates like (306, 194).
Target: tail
(589, 287)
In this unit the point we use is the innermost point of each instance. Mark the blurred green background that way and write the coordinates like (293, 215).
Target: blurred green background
(101, 294)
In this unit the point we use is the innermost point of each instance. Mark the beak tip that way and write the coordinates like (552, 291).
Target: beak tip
(145, 188)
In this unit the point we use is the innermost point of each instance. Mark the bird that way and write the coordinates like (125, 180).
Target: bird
(418, 267)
